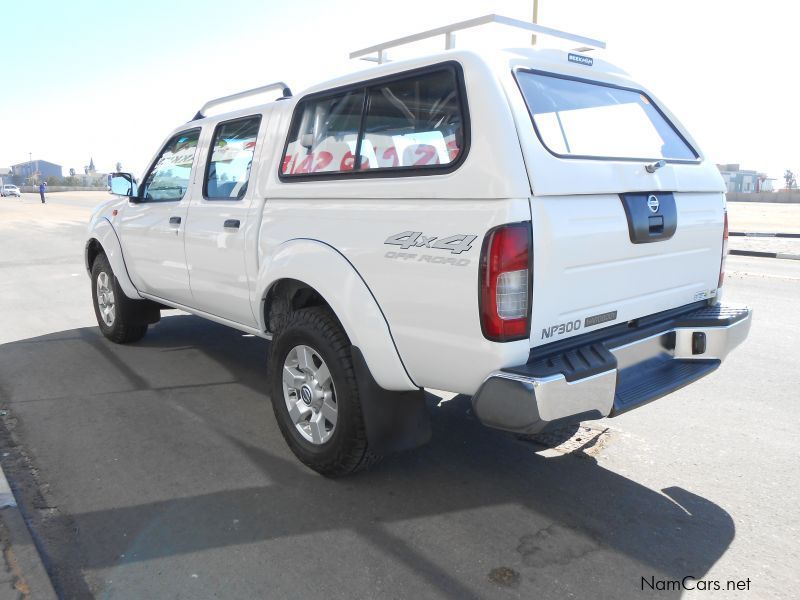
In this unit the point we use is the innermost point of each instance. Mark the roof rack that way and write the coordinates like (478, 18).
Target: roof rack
(449, 36)
(278, 85)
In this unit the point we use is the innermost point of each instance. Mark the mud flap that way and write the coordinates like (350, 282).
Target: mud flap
(394, 421)
(142, 312)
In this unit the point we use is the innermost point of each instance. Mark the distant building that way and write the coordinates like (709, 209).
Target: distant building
(42, 169)
(745, 180)
(765, 183)
(92, 176)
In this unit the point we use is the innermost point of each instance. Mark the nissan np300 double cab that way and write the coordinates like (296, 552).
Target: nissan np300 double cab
(530, 228)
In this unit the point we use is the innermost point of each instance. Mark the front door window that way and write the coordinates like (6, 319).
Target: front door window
(169, 178)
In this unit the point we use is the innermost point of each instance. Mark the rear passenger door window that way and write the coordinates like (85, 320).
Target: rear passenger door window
(324, 138)
(413, 123)
(230, 159)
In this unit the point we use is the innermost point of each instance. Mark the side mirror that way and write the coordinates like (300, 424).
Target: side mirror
(123, 184)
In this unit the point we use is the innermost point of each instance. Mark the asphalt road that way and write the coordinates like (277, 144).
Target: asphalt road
(156, 470)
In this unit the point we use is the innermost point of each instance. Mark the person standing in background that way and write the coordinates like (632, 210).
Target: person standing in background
(42, 188)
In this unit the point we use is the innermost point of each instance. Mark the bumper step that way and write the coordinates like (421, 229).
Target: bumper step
(654, 378)
(576, 364)
(713, 316)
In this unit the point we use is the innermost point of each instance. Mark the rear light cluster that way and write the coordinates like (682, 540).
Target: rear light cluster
(724, 251)
(505, 283)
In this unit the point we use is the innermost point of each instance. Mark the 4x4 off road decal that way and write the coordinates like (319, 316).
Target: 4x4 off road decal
(456, 244)
(414, 239)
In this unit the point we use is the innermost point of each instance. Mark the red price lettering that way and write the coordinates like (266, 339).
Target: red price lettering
(323, 160)
(391, 154)
(427, 154)
(348, 162)
(453, 150)
(305, 165)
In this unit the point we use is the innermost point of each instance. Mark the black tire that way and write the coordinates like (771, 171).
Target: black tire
(124, 328)
(347, 450)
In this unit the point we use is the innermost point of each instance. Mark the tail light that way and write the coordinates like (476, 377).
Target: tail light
(724, 251)
(505, 283)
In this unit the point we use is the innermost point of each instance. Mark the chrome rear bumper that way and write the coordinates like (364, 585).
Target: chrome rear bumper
(612, 375)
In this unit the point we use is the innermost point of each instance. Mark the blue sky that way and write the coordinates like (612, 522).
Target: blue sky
(110, 79)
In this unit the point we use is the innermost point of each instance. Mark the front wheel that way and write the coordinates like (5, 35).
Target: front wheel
(114, 313)
(314, 394)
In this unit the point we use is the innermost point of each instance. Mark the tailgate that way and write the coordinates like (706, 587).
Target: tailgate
(588, 274)
(627, 214)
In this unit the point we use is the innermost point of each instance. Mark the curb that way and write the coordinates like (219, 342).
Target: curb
(24, 567)
(758, 234)
(30, 578)
(783, 255)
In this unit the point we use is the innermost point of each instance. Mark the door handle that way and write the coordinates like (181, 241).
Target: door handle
(232, 224)
(174, 220)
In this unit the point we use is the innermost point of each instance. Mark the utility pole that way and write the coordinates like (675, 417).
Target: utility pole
(535, 19)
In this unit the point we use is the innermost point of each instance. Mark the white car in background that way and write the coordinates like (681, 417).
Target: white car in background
(11, 190)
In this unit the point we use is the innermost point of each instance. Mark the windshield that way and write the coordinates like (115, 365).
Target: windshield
(579, 118)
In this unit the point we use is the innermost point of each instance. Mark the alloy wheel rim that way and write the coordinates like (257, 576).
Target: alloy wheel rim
(105, 299)
(309, 394)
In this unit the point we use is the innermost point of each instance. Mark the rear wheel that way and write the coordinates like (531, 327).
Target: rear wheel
(113, 310)
(314, 394)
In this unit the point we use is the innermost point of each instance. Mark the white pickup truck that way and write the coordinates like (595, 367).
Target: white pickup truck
(528, 227)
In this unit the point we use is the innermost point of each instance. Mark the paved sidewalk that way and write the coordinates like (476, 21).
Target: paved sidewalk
(765, 244)
(759, 217)
(22, 574)
(764, 217)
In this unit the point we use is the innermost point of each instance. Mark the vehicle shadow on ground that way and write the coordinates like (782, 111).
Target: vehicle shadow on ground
(473, 514)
